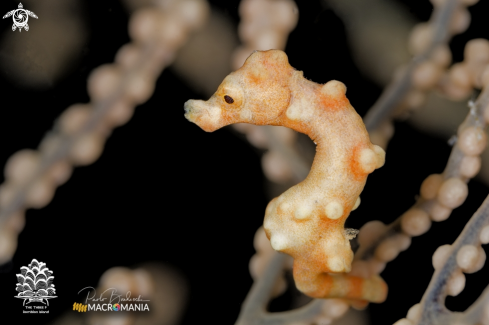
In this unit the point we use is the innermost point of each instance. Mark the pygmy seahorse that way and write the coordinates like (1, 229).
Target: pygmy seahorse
(306, 221)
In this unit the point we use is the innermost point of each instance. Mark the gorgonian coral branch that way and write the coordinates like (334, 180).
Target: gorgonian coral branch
(396, 91)
(254, 307)
(464, 255)
(79, 134)
(440, 193)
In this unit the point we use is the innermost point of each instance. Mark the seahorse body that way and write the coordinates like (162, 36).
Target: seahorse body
(306, 221)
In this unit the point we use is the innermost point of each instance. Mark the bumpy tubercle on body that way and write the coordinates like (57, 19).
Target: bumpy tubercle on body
(306, 221)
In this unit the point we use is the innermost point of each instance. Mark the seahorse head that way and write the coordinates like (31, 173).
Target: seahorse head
(257, 93)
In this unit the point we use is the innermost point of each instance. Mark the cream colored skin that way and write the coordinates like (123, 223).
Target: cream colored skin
(306, 221)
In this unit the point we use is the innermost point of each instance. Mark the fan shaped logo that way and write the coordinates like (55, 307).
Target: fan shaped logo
(20, 17)
(35, 284)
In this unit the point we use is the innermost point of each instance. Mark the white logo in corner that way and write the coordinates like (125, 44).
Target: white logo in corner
(20, 17)
(35, 283)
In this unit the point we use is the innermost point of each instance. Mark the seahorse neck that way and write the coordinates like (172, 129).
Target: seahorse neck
(307, 112)
(327, 117)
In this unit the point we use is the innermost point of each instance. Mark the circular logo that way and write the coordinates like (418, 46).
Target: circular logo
(20, 17)
(116, 307)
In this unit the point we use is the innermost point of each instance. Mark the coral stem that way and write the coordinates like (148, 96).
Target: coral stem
(433, 300)
(395, 92)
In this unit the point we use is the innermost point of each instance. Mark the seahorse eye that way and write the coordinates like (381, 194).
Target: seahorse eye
(228, 99)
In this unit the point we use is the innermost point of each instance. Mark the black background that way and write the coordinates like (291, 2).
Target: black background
(166, 191)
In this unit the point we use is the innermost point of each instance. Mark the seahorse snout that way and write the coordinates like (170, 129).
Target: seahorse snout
(204, 114)
(187, 107)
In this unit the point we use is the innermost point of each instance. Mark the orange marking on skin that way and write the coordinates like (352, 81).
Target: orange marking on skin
(324, 287)
(333, 104)
(356, 287)
(268, 91)
(355, 168)
(253, 78)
